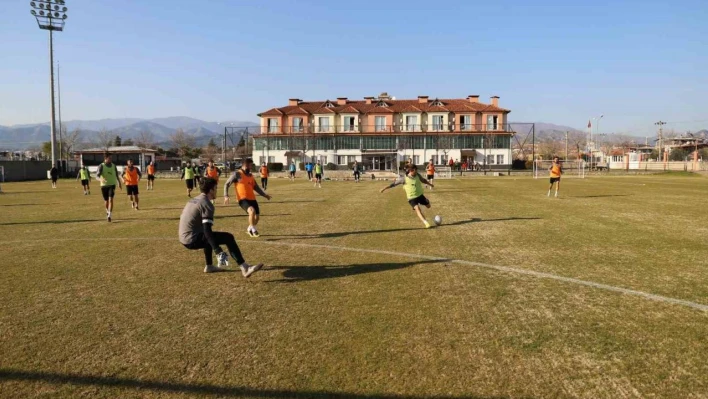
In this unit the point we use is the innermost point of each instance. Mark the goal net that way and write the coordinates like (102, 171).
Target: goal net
(443, 172)
(573, 168)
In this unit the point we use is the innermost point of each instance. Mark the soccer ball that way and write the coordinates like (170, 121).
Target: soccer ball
(438, 220)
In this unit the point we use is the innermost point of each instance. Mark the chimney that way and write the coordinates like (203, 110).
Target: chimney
(495, 100)
(473, 98)
(369, 99)
(422, 99)
(341, 101)
(293, 101)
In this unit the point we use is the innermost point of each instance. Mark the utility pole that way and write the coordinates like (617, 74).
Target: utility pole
(61, 150)
(566, 146)
(661, 139)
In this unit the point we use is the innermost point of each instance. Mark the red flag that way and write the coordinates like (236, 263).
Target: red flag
(589, 124)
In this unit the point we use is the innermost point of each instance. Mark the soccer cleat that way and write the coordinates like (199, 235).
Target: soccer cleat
(109, 218)
(254, 233)
(210, 269)
(549, 193)
(427, 225)
(556, 194)
(250, 269)
(223, 259)
(250, 233)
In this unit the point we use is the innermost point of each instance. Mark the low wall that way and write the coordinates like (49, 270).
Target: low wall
(26, 170)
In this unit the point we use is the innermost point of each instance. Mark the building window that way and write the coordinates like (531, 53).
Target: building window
(490, 159)
(492, 122)
(272, 125)
(348, 143)
(443, 160)
(465, 122)
(411, 123)
(436, 103)
(416, 159)
(438, 121)
(297, 125)
(348, 123)
(382, 104)
(500, 159)
(351, 158)
(324, 124)
(329, 104)
(380, 122)
(435, 159)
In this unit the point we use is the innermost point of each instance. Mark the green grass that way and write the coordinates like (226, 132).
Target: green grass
(92, 309)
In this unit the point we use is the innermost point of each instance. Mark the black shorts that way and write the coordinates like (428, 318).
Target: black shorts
(292, 174)
(419, 201)
(430, 177)
(318, 176)
(108, 192)
(245, 204)
(84, 183)
(151, 177)
(132, 190)
(190, 184)
(356, 173)
(54, 179)
(555, 179)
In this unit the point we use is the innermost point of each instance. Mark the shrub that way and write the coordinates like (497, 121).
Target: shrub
(275, 167)
(330, 166)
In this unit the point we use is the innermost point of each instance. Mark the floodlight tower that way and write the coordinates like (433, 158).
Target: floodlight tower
(51, 16)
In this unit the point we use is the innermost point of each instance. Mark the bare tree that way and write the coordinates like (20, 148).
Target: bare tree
(146, 139)
(183, 142)
(71, 141)
(104, 139)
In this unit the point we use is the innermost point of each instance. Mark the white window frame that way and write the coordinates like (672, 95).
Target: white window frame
(324, 129)
(295, 128)
(346, 127)
(379, 127)
(432, 126)
(500, 159)
(490, 159)
(411, 127)
(416, 159)
(272, 124)
(351, 159)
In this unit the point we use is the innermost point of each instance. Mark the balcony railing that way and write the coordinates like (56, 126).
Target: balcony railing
(398, 128)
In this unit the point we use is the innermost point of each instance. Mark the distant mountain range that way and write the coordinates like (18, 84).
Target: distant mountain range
(20, 137)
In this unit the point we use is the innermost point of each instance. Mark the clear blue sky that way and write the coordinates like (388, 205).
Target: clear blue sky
(554, 61)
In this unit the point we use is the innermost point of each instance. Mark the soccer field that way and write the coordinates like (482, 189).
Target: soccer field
(601, 293)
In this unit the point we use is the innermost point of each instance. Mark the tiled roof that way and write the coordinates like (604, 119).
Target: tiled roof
(293, 110)
(398, 106)
(272, 112)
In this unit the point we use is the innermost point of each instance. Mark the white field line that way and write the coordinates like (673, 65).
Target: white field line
(505, 269)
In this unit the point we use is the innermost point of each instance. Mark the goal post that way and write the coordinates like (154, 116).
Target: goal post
(571, 168)
(443, 172)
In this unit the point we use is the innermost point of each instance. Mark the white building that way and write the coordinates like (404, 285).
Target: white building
(381, 132)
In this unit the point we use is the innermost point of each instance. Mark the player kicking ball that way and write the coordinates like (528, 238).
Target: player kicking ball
(413, 185)
(556, 170)
(195, 232)
(246, 187)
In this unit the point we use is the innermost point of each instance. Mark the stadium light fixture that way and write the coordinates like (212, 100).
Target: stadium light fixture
(51, 15)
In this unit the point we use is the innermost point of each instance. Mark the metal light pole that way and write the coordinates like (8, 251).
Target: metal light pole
(61, 142)
(51, 16)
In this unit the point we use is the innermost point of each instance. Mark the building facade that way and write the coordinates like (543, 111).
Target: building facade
(379, 132)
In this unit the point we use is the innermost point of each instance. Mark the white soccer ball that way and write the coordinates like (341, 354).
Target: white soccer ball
(438, 220)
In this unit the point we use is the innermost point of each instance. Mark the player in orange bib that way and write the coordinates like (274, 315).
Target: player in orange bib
(151, 176)
(212, 171)
(264, 176)
(430, 171)
(131, 177)
(556, 170)
(246, 189)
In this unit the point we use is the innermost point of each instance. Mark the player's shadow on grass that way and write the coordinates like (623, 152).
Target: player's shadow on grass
(349, 233)
(293, 274)
(146, 385)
